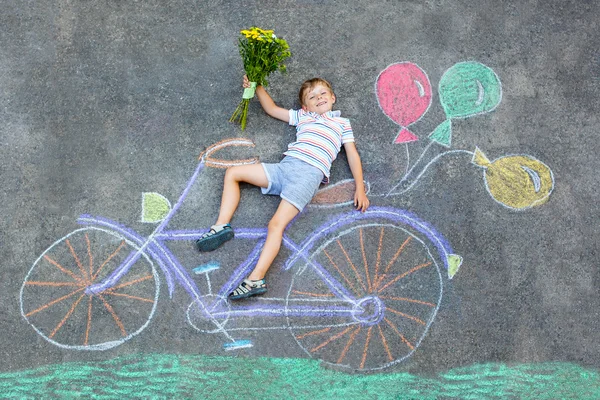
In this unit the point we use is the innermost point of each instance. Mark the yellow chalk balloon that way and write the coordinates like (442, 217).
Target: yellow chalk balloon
(516, 181)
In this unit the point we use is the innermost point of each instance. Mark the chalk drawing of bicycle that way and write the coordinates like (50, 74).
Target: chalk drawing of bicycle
(365, 290)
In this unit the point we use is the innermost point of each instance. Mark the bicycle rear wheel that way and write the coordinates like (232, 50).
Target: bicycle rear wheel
(55, 302)
(391, 282)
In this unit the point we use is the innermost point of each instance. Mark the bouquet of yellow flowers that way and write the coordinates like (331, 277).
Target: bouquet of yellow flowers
(262, 53)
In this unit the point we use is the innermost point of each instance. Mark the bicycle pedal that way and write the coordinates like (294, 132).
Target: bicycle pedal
(206, 268)
(238, 344)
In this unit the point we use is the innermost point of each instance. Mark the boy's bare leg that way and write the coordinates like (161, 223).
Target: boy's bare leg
(284, 214)
(253, 174)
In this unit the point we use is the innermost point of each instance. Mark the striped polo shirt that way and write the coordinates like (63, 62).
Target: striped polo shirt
(319, 138)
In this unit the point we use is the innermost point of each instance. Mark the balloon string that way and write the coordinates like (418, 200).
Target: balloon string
(407, 188)
(412, 168)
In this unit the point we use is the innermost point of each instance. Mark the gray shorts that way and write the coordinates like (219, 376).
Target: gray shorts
(293, 180)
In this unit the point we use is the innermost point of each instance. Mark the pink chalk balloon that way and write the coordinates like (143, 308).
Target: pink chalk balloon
(404, 95)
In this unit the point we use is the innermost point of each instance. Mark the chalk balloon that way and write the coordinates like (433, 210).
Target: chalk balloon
(516, 181)
(404, 95)
(469, 88)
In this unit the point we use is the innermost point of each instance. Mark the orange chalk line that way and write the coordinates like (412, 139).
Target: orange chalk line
(350, 340)
(57, 284)
(340, 272)
(130, 296)
(312, 333)
(90, 256)
(426, 303)
(85, 277)
(114, 314)
(312, 294)
(219, 163)
(362, 248)
(89, 322)
(66, 271)
(331, 339)
(385, 345)
(400, 249)
(108, 259)
(223, 143)
(133, 282)
(61, 323)
(54, 302)
(420, 321)
(418, 267)
(378, 261)
(364, 356)
(399, 334)
(358, 278)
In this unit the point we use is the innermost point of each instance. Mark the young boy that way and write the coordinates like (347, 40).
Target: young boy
(320, 132)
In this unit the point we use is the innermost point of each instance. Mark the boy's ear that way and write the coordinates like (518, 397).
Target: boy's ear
(333, 97)
(303, 107)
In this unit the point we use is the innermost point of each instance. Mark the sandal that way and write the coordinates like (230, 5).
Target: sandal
(214, 238)
(249, 288)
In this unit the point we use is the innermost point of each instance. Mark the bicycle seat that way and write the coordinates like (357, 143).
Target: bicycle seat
(337, 194)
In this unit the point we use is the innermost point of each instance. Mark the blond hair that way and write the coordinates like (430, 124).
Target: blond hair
(311, 83)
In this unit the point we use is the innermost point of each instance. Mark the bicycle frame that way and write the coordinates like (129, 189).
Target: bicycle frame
(155, 246)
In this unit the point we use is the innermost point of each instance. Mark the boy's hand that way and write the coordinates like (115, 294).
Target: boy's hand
(246, 83)
(361, 201)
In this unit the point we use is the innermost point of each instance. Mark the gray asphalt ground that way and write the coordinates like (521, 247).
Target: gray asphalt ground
(101, 101)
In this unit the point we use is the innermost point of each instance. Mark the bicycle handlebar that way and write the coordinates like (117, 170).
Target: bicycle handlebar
(206, 156)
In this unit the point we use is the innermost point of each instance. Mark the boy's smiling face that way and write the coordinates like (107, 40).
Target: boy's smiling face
(318, 99)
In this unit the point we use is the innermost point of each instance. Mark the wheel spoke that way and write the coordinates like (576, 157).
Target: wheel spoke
(364, 356)
(341, 273)
(400, 249)
(61, 323)
(331, 339)
(399, 334)
(54, 302)
(385, 345)
(133, 282)
(364, 256)
(129, 296)
(378, 259)
(89, 322)
(313, 333)
(358, 278)
(90, 256)
(114, 314)
(77, 261)
(56, 284)
(426, 303)
(63, 269)
(420, 321)
(348, 344)
(418, 267)
(108, 259)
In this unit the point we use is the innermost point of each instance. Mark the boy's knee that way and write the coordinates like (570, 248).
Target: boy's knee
(231, 173)
(276, 225)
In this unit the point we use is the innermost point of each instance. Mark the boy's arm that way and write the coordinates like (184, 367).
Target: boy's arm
(361, 201)
(268, 104)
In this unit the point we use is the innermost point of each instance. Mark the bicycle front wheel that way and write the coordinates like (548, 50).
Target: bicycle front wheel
(56, 304)
(391, 285)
